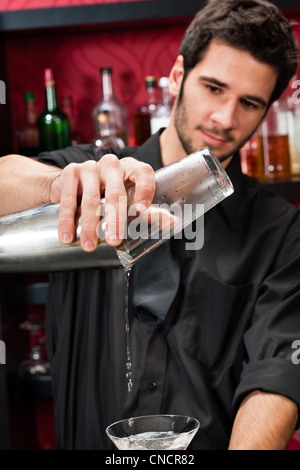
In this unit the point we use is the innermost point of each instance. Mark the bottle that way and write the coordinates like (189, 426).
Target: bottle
(251, 158)
(296, 162)
(53, 124)
(274, 143)
(142, 127)
(27, 135)
(117, 112)
(161, 115)
(68, 108)
(106, 138)
(294, 135)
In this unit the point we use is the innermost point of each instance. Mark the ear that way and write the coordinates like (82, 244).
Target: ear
(176, 76)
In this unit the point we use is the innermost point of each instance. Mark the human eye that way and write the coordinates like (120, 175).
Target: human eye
(212, 88)
(250, 104)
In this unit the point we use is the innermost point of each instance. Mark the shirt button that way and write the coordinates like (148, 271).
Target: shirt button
(152, 386)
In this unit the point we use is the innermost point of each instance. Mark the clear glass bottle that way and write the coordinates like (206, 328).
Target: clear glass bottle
(142, 127)
(161, 115)
(68, 108)
(274, 143)
(117, 112)
(53, 124)
(106, 138)
(27, 135)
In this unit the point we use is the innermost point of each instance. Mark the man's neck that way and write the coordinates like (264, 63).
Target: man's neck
(170, 147)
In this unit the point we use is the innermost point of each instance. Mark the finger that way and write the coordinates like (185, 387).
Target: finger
(112, 179)
(143, 176)
(68, 182)
(90, 204)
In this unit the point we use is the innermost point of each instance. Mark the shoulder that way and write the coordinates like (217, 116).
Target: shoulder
(80, 154)
(72, 154)
(264, 199)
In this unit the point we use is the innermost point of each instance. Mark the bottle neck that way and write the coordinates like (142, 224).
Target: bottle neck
(107, 87)
(51, 102)
(166, 99)
(151, 95)
(30, 116)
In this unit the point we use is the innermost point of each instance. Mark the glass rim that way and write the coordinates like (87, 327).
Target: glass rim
(213, 165)
(218, 171)
(172, 416)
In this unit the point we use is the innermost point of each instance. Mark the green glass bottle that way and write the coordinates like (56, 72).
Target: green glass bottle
(53, 124)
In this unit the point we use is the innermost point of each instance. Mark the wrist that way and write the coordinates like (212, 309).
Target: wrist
(54, 191)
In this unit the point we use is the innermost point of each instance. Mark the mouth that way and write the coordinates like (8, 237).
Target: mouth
(213, 139)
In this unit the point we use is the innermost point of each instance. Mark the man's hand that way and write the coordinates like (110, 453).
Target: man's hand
(83, 184)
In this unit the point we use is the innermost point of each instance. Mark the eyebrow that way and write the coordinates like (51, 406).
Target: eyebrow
(220, 84)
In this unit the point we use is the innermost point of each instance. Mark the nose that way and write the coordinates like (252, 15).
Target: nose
(226, 115)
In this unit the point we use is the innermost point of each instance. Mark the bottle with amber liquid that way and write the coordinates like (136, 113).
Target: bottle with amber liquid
(294, 135)
(251, 158)
(27, 135)
(274, 143)
(117, 112)
(53, 124)
(142, 126)
(296, 162)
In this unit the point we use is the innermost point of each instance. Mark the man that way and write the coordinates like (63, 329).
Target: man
(211, 330)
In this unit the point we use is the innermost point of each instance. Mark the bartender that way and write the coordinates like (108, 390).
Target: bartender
(211, 330)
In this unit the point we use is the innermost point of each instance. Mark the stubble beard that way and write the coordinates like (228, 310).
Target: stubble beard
(181, 125)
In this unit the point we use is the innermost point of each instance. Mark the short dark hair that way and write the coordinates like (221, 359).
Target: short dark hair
(256, 26)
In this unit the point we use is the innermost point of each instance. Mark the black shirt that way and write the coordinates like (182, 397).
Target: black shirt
(207, 327)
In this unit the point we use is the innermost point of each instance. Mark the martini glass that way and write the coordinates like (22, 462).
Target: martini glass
(153, 432)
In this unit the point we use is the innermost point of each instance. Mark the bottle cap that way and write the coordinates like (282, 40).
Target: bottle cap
(150, 81)
(107, 70)
(49, 77)
(28, 95)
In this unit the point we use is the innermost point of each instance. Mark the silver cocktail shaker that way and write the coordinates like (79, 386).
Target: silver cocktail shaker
(185, 190)
(29, 243)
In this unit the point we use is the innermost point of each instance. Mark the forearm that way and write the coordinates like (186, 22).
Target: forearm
(25, 183)
(264, 421)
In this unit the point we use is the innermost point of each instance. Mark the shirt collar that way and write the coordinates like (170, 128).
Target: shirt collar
(231, 206)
